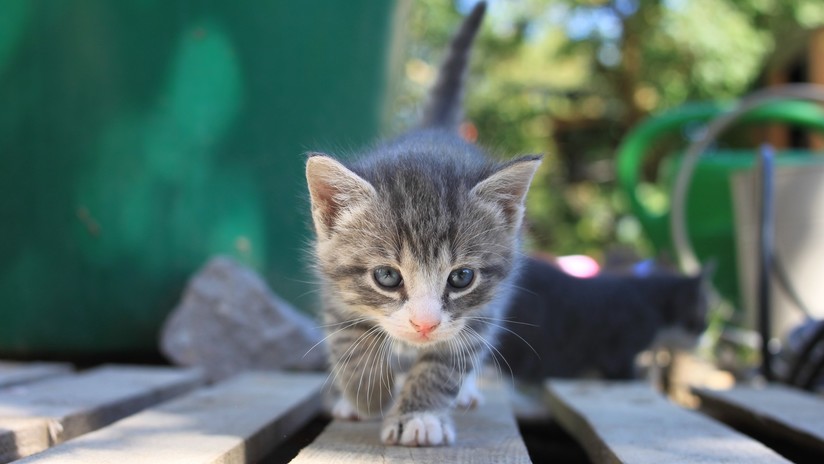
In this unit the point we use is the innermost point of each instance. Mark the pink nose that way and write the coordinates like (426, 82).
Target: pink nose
(424, 327)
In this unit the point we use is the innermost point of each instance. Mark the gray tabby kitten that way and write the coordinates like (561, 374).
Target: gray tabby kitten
(416, 248)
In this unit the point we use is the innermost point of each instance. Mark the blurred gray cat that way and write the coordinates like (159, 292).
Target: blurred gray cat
(416, 248)
(597, 325)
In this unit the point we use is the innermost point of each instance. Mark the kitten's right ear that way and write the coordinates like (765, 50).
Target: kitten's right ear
(335, 191)
(507, 187)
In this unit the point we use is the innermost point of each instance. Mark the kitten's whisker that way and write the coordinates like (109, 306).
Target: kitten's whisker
(348, 325)
(375, 379)
(308, 292)
(300, 281)
(523, 289)
(342, 362)
(514, 333)
(503, 319)
(351, 352)
(370, 353)
(348, 322)
(495, 350)
(388, 378)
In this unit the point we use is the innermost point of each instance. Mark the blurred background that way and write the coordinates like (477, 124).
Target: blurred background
(570, 79)
(140, 137)
(612, 93)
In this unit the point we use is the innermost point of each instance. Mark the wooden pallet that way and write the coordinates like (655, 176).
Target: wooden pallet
(127, 415)
(776, 412)
(628, 422)
(130, 414)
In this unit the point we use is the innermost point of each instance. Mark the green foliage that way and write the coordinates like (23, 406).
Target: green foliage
(569, 78)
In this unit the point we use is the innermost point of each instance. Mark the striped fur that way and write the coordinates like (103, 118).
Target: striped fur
(424, 204)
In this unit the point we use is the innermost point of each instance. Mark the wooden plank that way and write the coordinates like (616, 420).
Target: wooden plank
(21, 437)
(237, 421)
(777, 410)
(628, 422)
(16, 373)
(36, 416)
(487, 434)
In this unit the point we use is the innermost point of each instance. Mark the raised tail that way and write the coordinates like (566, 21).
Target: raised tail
(445, 109)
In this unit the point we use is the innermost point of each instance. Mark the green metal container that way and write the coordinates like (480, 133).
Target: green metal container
(140, 137)
(709, 207)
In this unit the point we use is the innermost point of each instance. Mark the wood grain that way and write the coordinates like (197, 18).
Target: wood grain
(487, 434)
(237, 421)
(22, 437)
(36, 416)
(628, 422)
(777, 410)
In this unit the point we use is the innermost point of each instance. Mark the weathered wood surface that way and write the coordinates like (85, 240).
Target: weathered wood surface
(237, 421)
(487, 434)
(17, 373)
(38, 415)
(22, 437)
(774, 410)
(628, 422)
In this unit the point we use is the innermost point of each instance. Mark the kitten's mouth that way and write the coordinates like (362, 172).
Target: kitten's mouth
(421, 339)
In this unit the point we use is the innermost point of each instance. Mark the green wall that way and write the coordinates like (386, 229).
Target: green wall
(140, 137)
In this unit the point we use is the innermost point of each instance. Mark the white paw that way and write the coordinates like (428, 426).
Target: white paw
(344, 410)
(418, 429)
(469, 397)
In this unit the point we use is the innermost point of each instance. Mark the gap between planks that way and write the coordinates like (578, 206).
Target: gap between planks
(486, 434)
(628, 422)
(775, 410)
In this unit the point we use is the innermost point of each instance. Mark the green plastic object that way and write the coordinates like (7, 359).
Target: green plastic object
(138, 138)
(709, 207)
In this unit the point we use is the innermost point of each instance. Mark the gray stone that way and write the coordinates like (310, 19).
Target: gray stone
(230, 321)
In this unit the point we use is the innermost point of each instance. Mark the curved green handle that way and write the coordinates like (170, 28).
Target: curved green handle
(635, 146)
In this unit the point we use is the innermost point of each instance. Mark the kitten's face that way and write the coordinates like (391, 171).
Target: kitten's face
(422, 284)
(420, 261)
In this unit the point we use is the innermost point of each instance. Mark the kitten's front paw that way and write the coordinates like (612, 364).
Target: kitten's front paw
(418, 429)
(344, 410)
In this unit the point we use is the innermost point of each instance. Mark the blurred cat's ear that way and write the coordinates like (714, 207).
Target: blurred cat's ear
(507, 187)
(335, 191)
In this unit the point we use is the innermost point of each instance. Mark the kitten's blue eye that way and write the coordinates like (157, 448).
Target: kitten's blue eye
(387, 277)
(460, 278)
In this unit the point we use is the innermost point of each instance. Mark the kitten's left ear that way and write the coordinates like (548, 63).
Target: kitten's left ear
(334, 190)
(507, 187)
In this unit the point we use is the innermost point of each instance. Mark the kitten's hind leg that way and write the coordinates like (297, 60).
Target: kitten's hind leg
(469, 397)
(344, 410)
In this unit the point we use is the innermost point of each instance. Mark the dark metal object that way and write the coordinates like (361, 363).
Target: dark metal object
(766, 171)
(802, 360)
